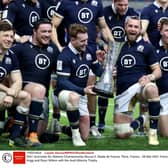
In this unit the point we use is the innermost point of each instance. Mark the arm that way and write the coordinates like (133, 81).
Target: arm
(56, 21)
(16, 83)
(107, 35)
(21, 39)
(68, 85)
(145, 24)
(156, 74)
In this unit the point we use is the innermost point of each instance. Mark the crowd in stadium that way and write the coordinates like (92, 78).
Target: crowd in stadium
(62, 45)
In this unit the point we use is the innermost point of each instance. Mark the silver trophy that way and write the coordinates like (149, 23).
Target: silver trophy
(104, 87)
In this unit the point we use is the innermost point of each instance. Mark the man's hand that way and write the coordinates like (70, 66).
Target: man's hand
(144, 80)
(100, 55)
(11, 92)
(88, 90)
(8, 101)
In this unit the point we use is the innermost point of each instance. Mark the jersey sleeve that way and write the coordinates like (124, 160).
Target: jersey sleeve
(64, 73)
(145, 14)
(10, 61)
(152, 56)
(11, 12)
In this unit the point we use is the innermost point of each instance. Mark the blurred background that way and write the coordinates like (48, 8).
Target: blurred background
(136, 4)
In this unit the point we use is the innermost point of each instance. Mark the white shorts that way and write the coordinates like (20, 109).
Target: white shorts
(83, 109)
(63, 98)
(164, 104)
(125, 101)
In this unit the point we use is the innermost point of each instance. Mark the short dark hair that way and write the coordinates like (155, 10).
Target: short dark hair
(5, 26)
(75, 28)
(41, 21)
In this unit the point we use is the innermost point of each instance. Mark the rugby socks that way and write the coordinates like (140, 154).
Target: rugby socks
(56, 116)
(92, 120)
(67, 130)
(102, 105)
(73, 117)
(56, 111)
(36, 109)
(137, 123)
(2, 120)
(154, 111)
(19, 120)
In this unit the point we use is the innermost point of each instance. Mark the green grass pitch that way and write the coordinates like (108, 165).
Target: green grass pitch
(107, 142)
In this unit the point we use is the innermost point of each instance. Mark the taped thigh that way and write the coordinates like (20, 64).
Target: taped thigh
(64, 103)
(145, 87)
(122, 128)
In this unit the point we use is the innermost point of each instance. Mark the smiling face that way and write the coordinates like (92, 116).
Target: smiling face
(42, 35)
(80, 42)
(6, 39)
(164, 33)
(132, 28)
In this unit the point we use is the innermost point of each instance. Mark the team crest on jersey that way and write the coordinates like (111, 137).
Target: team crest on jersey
(164, 63)
(59, 65)
(74, 61)
(23, 5)
(76, 2)
(118, 32)
(140, 48)
(110, 18)
(88, 57)
(128, 61)
(49, 49)
(33, 17)
(94, 3)
(85, 15)
(8, 61)
(82, 71)
(42, 61)
(51, 11)
(156, 11)
(3, 73)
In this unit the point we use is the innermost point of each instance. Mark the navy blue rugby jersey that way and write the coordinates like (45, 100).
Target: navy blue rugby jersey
(116, 22)
(49, 7)
(163, 61)
(23, 14)
(153, 13)
(8, 64)
(3, 9)
(36, 63)
(133, 62)
(87, 13)
(73, 71)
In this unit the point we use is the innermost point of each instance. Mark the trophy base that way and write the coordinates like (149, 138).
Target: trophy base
(103, 93)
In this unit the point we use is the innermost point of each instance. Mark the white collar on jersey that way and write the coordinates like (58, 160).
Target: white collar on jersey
(73, 49)
(113, 8)
(156, 4)
(160, 43)
(30, 39)
(137, 40)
